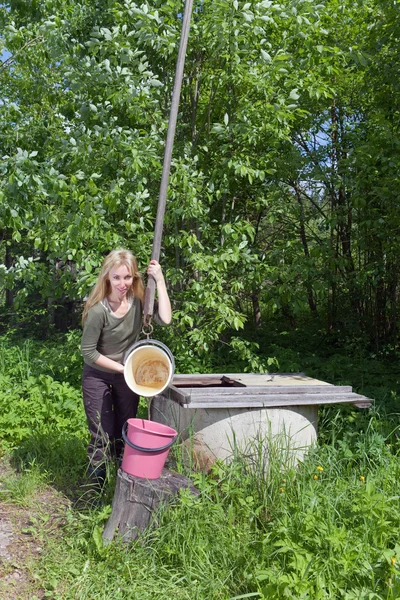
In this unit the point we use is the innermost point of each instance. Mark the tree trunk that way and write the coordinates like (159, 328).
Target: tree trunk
(256, 309)
(9, 264)
(137, 500)
(303, 238)
(392, 292)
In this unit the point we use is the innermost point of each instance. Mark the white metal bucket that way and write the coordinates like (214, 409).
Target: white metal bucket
(149, 368)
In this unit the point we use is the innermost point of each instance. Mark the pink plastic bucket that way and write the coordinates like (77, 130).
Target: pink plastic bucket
(147, 444)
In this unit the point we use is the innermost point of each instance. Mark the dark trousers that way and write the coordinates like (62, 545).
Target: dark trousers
(108, 403)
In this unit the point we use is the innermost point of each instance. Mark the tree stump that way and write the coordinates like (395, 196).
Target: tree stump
(136, 501)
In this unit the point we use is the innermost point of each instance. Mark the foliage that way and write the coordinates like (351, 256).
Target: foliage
(41, 411)
(283, 190)
(282, 203)
(260, 527)
(325, 530)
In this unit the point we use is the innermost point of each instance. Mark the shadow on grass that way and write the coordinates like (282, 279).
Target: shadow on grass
(61, 460)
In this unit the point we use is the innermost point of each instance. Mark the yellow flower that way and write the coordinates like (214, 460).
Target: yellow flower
(315, 476)
(393, 560)
(362, 478)
(284, 480)
(320, 468)
(281, 489)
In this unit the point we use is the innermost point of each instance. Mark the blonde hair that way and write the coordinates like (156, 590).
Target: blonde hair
(102, 288)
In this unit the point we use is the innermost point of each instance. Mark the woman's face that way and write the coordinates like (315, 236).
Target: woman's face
(120, 279)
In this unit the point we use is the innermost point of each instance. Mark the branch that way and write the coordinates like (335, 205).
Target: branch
(303, 144)
(298, 190)
(12, 59)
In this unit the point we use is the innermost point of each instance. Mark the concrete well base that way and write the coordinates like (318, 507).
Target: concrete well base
(211, 434)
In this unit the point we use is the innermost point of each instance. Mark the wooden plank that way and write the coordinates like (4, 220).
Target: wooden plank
(285, 389)
(281, 401)
(363, 403)
(177, 394)
(210, 381)
(192, 394)
(193, 382)
(247, 379)
(250, 379)
(273, 389)
(294, 398)
(236, 375)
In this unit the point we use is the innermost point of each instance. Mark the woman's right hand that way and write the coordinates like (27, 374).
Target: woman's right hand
(108, 363)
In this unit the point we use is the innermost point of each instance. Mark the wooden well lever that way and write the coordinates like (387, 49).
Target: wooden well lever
(151, 284)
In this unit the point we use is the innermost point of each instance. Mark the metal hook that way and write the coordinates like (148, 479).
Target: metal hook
(147, 328)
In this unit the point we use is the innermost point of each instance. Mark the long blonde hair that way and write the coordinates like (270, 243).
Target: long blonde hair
(102, 288)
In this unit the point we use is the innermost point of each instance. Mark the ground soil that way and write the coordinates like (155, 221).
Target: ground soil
(24, 527)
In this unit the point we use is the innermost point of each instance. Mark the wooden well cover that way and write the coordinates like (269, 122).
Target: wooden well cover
(250, 390)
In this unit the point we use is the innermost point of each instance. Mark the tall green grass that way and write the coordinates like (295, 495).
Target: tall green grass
(262, 528)
(325, 529)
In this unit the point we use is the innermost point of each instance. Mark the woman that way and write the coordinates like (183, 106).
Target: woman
(112, 321)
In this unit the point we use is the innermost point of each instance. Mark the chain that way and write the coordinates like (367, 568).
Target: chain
(147, 328)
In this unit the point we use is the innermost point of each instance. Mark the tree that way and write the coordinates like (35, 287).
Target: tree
(283, 188)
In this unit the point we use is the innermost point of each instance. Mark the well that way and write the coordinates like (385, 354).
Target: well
(215, 413)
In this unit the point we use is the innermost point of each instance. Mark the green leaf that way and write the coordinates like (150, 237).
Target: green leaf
(266, 56)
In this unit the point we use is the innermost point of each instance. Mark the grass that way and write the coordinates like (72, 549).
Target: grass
(328, 529)
(325, 529)
(21, 489)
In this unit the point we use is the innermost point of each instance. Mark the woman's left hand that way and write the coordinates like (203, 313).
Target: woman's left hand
(154, 269)
(164, 305)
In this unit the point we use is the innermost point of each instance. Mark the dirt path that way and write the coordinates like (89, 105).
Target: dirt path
(24, 526)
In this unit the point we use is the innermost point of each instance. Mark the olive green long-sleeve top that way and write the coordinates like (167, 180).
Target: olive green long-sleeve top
(111, 336)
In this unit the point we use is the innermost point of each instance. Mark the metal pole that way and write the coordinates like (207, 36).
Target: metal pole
(151, 284)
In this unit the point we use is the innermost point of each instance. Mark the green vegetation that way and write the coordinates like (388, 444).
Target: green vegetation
(325, 530)
(283, 194)
(281, 250)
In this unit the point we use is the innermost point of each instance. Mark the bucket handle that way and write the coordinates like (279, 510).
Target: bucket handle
(132, 445)
(155, 343)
